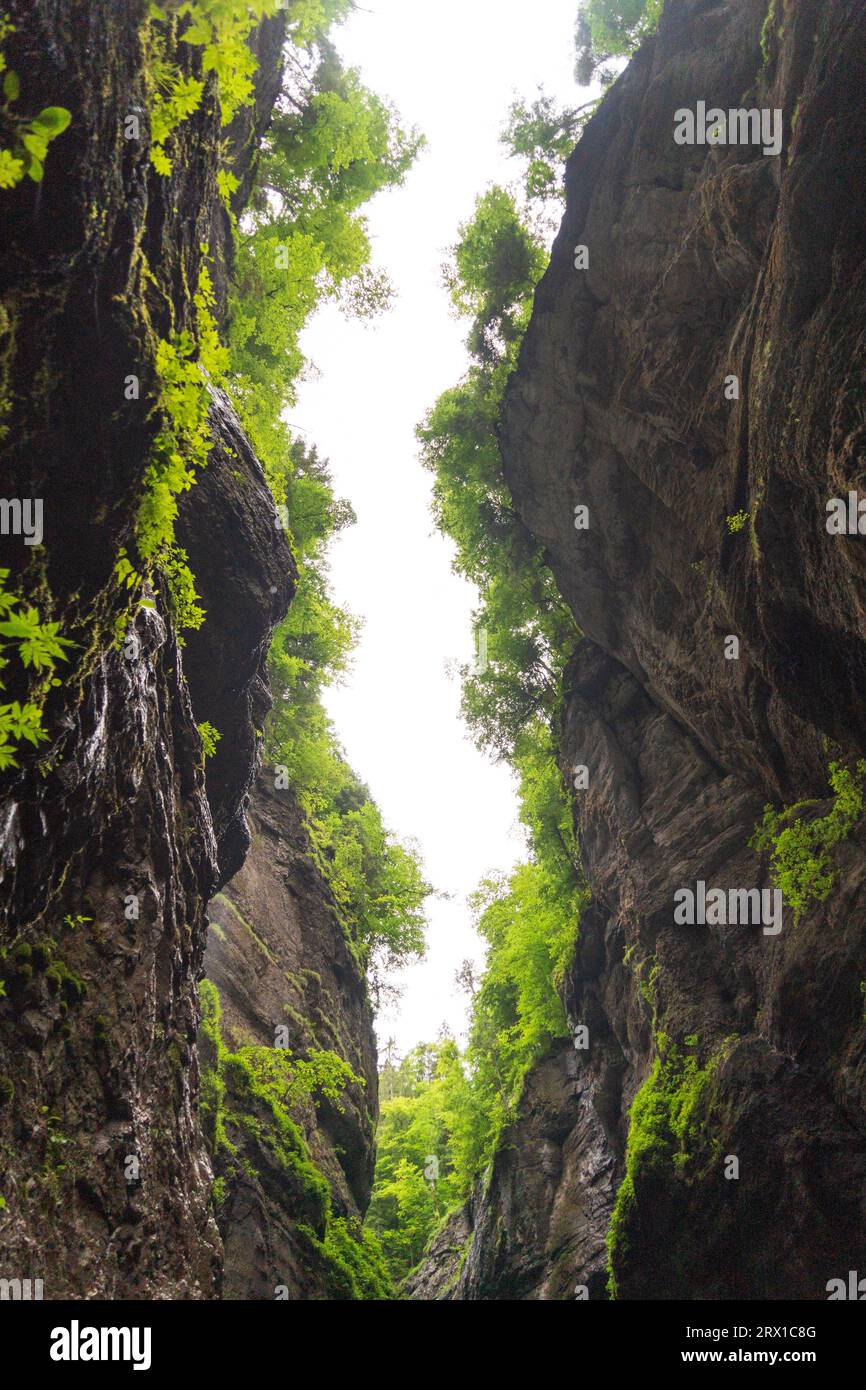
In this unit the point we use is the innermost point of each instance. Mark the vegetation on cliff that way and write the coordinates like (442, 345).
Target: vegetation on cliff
(443, 1114)
(800, 849)
(250, 1100)
(331, 146)
(666, 1126)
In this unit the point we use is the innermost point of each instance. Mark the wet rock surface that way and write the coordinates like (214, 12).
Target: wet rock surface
(280, 957)
(703, 263)
(103, 1166)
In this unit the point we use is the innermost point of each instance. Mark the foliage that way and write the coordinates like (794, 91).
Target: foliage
(664, 1129)
(609, 29)
(800, 862)
(39, 647)
(219, 29)
(736, 522)
(74, 920)
(542, 136)
(427, 1151)
(249, 1095)
(329, 149)
(354, 1262)
(496, 264)
(210, 737)
(288, 1080)
(30, 135)
(188, 366)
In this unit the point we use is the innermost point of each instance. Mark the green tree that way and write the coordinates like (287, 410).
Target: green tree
(332, 145)
(541, 135)
(609, 29)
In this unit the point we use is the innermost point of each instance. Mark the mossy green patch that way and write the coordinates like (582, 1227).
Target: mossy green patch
(800, 861)
(665, 1131)
(355, 1267)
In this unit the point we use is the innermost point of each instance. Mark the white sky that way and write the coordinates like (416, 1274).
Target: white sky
(452, 69)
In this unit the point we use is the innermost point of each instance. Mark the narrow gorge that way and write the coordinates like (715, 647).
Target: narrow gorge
(648, 472)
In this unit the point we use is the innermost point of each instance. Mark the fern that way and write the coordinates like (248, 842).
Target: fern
(800, 862)
(39, 647)
(210, 737)
(187, 367)
(220, 29)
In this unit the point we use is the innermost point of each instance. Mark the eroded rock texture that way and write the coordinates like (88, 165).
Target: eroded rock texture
(279, 955)
(703, 263)
(98, 1059)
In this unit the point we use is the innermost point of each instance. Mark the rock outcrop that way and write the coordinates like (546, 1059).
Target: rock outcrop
(705, 263)
(113, 837)
(280, 957)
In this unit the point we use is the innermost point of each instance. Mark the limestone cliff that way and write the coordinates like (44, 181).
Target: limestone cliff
(704, 263)
(103, 1168)
(280, 956)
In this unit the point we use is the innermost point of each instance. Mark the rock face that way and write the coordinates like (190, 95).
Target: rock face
(704, 263)
(279, 956)
(98, 1061)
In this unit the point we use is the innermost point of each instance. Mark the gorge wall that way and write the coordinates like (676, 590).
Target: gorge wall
(114, 835)
(279, 955)
(703, 263)
(139, 1158)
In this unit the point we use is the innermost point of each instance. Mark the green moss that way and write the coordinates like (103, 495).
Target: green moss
(251, 1109)
(771, 37)
(42, 954)
(213, 1089)
(234, 1098)
(245, 1095)
(62, 981)
(227, 902)
(647, 986)
(646, 980)
(664, 1131)
(800, 850)
(355, 1268)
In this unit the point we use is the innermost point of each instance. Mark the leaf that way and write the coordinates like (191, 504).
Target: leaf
(54, 120)
(11, 173)
(11, 86)
(35, 170)
(160, 161)
(36, 145)
(199, 32)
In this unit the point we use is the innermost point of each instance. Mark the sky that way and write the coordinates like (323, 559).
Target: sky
(451, 69)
